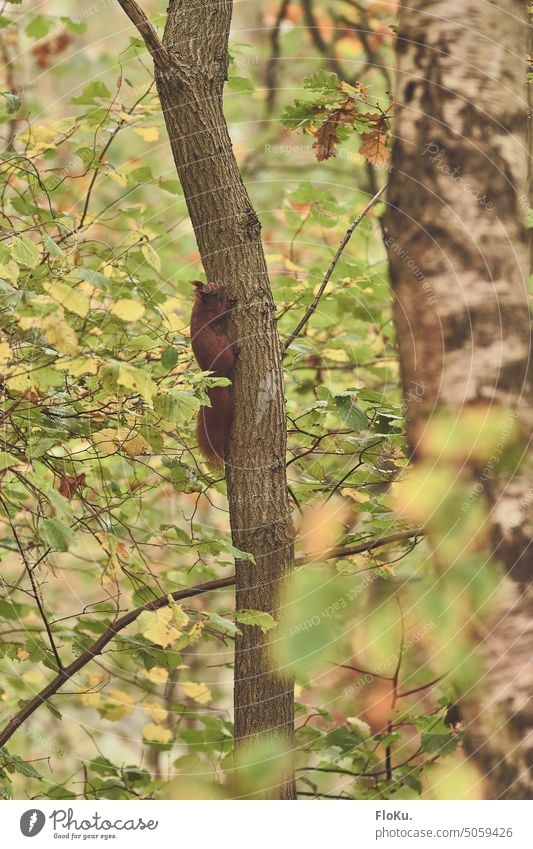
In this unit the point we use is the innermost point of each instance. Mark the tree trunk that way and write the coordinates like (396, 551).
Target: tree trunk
(227, 229)
(459, 265)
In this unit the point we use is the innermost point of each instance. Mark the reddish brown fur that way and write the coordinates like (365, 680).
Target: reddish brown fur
(214, 352)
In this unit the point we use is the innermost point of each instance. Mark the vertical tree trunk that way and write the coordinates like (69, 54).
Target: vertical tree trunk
(228, 233)
(459, 171)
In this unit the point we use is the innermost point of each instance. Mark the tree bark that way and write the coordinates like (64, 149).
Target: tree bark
(228, 233)
(458, 257)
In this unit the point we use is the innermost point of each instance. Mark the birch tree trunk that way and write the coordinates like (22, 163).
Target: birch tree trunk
(190, 76)
(463, 326)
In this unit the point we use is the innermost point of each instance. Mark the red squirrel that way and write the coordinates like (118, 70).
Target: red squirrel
(214, 352)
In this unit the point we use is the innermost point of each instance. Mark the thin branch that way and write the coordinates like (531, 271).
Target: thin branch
(271, 75)
(395, 684)
(347, 236)
(347, 551)
(422, 687)
(34, 587)
(67, 672)
(327, 49)
(103, 152)
(109, 634)
(158, 52)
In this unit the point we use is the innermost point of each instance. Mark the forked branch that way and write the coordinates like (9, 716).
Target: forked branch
(158, 52)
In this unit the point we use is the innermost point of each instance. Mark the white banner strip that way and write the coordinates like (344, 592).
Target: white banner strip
(416, 825)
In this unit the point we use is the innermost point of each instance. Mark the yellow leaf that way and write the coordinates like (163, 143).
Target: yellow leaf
(21, 382)
(117, 705)
(22, 654)
(149, 134)
(157, 733)
(181, 620)
(127, 309)
(197, 692)
(151, 257)
(355, 495)
(105, 441)
(336, 354)
(157, 675)
(196, 631)
(132, 442)
(78, 366)
(60, 335)
(291, 266)
(117, 177)
(10, 271)
(134, 378)
(156, 626)
(69, 298)
(155, 711)
(171, 309)
(5, 355)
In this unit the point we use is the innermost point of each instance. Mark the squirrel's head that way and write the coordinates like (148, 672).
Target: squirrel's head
(211, 294)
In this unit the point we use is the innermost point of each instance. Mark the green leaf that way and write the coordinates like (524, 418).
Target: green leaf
(12, 101)
(92, 93)
(25, 252)
(52, 248)
(142, 175)
(256, 617)
(439, 739)
(15, 764)
(12, 610)
(39, 27)
(8, 460)
(352, 415)
(242, 85)
(226, 626)
(58, 535)
(135, 379)
(322, 81)
(172, 186)
(177, 407)
(169, 358)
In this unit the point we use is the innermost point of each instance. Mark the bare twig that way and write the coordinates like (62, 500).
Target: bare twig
(338, 253)
(158, 52)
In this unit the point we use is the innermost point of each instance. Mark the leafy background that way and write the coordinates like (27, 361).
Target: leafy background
(105, 503)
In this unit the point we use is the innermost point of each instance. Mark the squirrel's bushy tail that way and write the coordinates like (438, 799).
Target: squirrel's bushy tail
(214, 425)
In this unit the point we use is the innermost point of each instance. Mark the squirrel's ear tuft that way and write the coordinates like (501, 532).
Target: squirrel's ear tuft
(197, 283)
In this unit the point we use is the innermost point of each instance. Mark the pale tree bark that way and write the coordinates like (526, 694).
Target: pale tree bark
(190, 71)
(459, 265)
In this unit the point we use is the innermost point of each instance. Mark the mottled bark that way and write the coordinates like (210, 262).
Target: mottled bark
(459, 265)
(228, 233)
